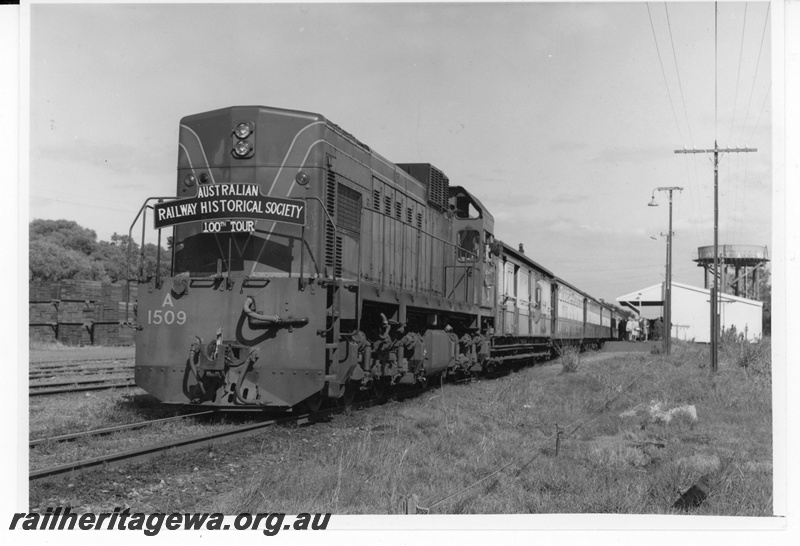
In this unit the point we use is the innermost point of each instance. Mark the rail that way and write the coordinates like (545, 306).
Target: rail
(111, 430)
(182, 445)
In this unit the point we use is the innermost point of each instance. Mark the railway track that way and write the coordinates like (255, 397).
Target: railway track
(38, 374)
(112, 430)
(44, 364)
(181, 445)
(80, 376)
(47, 389)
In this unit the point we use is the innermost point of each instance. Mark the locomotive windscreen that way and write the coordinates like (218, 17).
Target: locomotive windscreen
(261, 253)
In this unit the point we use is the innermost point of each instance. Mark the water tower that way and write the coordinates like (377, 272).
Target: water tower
(738, 265)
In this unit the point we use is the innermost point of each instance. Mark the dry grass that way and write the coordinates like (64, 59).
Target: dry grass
(570, 358)
(613, 457)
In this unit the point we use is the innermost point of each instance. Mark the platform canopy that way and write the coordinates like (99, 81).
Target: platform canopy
(647, 302)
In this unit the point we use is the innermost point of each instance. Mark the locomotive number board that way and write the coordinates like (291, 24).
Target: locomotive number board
(226, 202)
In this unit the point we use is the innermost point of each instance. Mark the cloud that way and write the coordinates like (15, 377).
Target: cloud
(627, 154)
(107, 155)
(569, 147)
(571, 198)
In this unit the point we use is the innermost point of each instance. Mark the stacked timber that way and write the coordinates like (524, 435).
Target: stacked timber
(79, 312)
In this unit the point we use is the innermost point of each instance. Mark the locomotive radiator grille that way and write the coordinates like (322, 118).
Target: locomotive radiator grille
(330, 232)
(344, 204)
(348, 210)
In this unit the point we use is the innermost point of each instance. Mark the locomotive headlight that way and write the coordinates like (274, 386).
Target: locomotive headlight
(189, 181)
(242, 148)
(204, 178)
(302, 178)
(243, 130)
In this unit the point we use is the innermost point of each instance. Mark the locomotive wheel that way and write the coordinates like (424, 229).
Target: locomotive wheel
(350, 392)
(312, 404)
(380, 391)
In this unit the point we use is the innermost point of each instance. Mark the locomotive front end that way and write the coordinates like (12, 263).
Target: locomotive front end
(241, 320)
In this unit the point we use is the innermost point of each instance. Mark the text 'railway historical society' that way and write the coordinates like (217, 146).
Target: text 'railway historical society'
(228, 201)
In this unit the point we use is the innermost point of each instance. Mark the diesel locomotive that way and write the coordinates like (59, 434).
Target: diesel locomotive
(306, 267)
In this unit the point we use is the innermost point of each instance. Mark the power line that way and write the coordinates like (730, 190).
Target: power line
(664, 74)
(731, 210)
(130, 211)
(675, 117)
(758, 63)
(738, 73)
(678, 72)
(763, 105)
(92, 197)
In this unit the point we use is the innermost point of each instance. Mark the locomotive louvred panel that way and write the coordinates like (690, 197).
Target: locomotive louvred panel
(387, 205)
(438, 190)
(330, 232)
(438, 184)
(348, 210)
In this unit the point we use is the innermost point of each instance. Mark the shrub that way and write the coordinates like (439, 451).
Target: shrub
(570, 358)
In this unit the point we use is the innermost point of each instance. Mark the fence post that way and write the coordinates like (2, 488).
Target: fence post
(558, 438)
(411, 504)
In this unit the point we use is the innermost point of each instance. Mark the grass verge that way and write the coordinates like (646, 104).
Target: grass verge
(624, 448)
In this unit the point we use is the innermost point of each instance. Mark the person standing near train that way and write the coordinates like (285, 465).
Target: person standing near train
(659, 328)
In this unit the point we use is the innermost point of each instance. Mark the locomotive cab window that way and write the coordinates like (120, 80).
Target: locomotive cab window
(464, 205)
(204, 254)
(468, 245)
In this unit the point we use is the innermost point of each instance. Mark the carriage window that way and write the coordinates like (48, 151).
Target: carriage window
(468, 245)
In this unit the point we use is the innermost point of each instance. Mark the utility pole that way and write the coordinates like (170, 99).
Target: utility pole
(715, 290)
(668, 284)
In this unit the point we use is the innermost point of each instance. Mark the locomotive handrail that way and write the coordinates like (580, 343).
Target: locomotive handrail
(335, 228)
(142, 209)
(419, 229)
(466, 264)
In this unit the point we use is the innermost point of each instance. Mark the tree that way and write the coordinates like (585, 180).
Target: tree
(65, 233)
(62, 249)
(113, 258)
(49, 261)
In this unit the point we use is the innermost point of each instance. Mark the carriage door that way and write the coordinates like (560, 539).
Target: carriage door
(467, 254)
(554, 310)
(509, 298)
(585, 316)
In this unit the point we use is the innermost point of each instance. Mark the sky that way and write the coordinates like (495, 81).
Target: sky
(561, 118)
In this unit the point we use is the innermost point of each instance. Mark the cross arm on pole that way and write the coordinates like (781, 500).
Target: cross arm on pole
(715, 150)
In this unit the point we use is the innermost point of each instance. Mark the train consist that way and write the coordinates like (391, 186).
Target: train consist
(307, 267)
